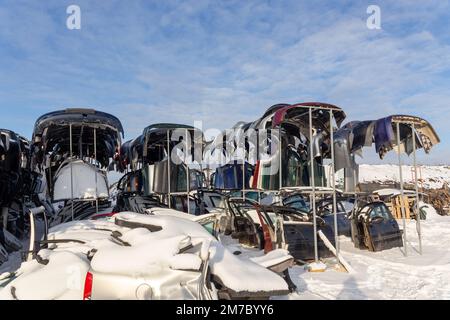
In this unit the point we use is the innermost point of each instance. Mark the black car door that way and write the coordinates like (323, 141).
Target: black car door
(384, 232)
(300, 240)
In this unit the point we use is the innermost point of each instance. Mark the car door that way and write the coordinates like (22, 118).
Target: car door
(242, 226)
(327, 214)
(384, 232)
(300, 240)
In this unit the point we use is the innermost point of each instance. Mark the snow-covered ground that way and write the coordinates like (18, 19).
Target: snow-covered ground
(433, 176)
(388, 274)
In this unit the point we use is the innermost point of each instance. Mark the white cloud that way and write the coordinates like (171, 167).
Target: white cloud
(223, 62)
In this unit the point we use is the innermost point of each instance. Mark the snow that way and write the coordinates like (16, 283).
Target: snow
(392, 192)
(138, 259)
(63, 278)
(428, 208)
(381, 275)
(387, 274)
(434, 176)
(243, 275)
(272, 258)
(235, 273)
(151, 253)
(185, 261)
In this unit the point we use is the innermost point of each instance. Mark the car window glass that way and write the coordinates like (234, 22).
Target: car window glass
(380, 212)
(217, 201)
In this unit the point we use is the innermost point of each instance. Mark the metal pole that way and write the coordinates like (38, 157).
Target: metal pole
(71, 170)
(401, 189)
(333, 177)
(96, 179)
(419, 230)
(168, 170)
(281, 158)
(188, 185)
(244, 196)
(313, 185)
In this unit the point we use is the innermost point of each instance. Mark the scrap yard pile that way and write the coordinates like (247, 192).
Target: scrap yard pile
(440, 199)
(276, 208)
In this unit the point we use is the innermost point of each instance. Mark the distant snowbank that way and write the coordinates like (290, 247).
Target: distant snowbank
(433, 176)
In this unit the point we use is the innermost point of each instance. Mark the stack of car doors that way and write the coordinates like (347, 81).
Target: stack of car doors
(382, 133)
(325, 210)
(232, 177)
(73, 149)
(18, 191)
(284, 129)
(291, 122)
(373, 225)
(287, 133)
(274, 227)
(158, 170)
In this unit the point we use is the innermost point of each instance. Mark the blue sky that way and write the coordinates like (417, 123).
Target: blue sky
(225, 61)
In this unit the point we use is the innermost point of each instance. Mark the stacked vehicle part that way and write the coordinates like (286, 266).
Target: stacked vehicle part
(73, 149)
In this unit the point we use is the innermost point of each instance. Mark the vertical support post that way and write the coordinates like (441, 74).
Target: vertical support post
(71, 170)
(402, 204)
(188, 177)
(244, 189)
(419, 230)
(333, 179)
(313, 185)
(280, 150)
(168, 171)
(96, 178)
(257, 161)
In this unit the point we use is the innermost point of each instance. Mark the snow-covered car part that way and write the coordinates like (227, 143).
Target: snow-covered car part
(155, 253)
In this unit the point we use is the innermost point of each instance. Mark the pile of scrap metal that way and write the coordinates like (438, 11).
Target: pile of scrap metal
(157, 170)
(18, 185)
(73, 149)
(440, 200)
